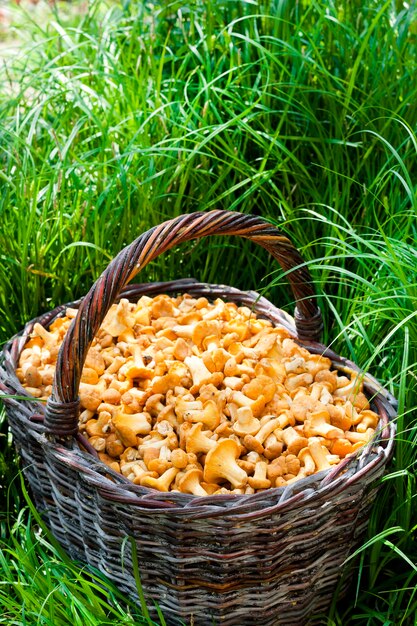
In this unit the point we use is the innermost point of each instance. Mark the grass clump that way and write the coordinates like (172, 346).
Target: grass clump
(41, 585)
(126, 114)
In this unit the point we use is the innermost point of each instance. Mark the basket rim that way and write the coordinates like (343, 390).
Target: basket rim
(116, 487)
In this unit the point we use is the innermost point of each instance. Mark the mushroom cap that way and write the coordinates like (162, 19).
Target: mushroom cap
(253, 444)
(32, 377)
(325, 377)
(179, 458)
(360, 401)
(210, 488)
(89, 376)
(135, 370)
(272, 368)
(100, 426)
(257, 406)
(265, 344)
(98, 443)
(211, 343)
(203, 329)
(293, 381)
(161, 384)
(111, 396)
(162, 306)
(108, 460)
(211, 415)
(95, 361)
(142, 316)
(278, 467)
(149, 454)
(159, 465)
(292, 463)
(260, 385)
(154, 403)
(90, 398)
(181, 349)
(114, 446)
(341, 447)
(240, 327)
(339, 417)
(317, 363)
(272, 447)
(280, 482)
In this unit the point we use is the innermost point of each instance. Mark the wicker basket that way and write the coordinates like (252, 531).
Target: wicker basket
(275, 557)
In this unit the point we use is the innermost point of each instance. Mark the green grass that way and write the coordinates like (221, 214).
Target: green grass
(125, 115)
(41, 585)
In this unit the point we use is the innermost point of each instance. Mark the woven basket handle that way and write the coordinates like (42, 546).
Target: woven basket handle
(62, 409)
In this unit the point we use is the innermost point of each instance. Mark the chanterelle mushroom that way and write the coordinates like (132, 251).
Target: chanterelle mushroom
(204, 329)
(129, 426)
(191, 482)
(259, 479)
(318, 423)
(221, 464)
(119, 318)
(200, 374)
(163, 482)
(245, 423)
(197, 442)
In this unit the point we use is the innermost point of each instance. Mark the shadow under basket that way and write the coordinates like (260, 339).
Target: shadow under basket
(274, 557)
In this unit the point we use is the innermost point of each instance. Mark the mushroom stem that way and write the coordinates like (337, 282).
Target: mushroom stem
(318, 452)
(360, 437)
(163, 482)
(259, 479)
(309, 466)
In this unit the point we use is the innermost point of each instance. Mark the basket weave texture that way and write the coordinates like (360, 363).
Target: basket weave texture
(275, 557)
